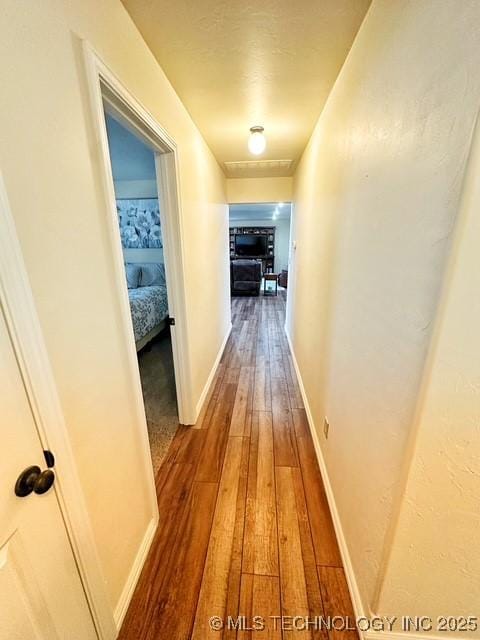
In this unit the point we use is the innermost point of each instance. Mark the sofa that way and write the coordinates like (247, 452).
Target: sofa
(245, 277)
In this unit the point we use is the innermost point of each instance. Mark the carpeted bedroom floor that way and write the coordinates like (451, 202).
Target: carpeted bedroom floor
(158, 384)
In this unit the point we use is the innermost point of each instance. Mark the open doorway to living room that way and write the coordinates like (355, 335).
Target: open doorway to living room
(259, 248)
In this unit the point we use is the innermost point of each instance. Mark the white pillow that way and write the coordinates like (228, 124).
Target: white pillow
(132, 272)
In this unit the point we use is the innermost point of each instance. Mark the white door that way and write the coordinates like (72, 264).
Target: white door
(41, 595)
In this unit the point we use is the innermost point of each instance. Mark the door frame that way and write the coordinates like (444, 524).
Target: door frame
(290, 240)
(104, 85)
(25, 332)
(292, 265)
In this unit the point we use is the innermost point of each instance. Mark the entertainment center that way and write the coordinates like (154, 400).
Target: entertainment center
(254, 242)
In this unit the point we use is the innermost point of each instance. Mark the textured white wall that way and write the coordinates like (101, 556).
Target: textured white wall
(49, 158)
(434, 566)
(376, 196)
(243, 190)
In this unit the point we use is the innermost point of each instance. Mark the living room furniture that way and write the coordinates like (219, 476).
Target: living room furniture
(283, 278)
(267, 256)
(270, 277)
(245, 277)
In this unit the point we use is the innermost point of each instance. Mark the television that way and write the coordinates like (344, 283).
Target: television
(251, 244)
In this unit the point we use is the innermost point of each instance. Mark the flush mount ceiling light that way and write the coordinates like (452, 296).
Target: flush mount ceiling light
(256, 141)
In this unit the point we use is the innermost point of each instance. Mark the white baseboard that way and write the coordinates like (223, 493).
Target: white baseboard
(337, 523)
(211, 375)
(131, 583)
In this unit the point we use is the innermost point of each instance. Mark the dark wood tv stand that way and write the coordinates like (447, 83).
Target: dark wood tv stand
(268, 260)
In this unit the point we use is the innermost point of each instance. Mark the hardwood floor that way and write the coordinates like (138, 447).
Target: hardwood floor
(245, 528)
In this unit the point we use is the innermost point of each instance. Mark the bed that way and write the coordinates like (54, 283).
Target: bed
(147, 292)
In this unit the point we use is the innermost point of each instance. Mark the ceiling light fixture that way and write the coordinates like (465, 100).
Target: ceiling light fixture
(256, 141)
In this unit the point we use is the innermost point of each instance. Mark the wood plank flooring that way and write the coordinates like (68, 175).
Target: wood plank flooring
(245, 529)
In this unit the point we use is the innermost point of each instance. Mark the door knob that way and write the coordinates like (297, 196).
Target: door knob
(33, 479)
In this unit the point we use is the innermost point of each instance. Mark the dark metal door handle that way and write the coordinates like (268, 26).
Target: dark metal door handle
(33, 479)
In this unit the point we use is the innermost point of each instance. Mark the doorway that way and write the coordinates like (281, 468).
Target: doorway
(137, 201)
(107, 94)
(260, 233)
(29, 581)
(40, 496)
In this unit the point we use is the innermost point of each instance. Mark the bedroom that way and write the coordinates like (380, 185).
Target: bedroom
(138, 210)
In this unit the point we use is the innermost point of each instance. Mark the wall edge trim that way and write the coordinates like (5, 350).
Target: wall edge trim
(134, 574)
(211, 375)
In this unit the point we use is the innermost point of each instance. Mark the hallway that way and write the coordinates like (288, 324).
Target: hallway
(245, 528)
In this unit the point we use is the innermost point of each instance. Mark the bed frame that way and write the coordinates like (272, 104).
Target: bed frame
(151, 334)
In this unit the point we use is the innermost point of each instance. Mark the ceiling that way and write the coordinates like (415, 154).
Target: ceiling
(240, 63)
(261, 211)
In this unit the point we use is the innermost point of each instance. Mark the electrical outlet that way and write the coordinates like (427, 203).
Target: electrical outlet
(326, 427)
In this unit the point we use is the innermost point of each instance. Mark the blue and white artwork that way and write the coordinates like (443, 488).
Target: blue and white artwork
(139, 220)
